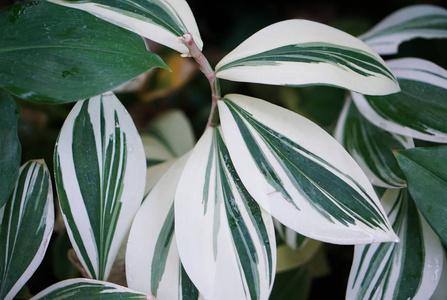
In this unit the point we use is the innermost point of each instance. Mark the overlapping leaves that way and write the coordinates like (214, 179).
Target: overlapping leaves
(225, 240)
(372, 147)
(163, 21)
(100, 176)
(417, 111)
(407, 270)
(50, 53)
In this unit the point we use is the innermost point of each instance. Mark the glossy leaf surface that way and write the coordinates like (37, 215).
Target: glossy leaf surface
(152, 261)
(372, 147)
(419, 110)
(10, 148)
(89, 289)
(416, 21)
(162, 21)
(26, 224)
(225, 240)
(100, 175)
(407, 270)
(50, 53)
(426, 173)
(300, 52)
(300, 174)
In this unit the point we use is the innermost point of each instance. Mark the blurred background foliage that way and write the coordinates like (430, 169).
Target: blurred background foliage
(223, 25)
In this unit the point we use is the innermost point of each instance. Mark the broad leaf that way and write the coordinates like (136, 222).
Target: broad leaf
(10, 148)
(152, 261)
(26, 224)
(225, 240)
(416, 21)
(289, 258)
(419, 110)
(372, 147)
(300, 174)
(162, 21)
(100, 175)
(426, 173)
(50, 53)
(89, 289)
(300, 52)
(407, 270)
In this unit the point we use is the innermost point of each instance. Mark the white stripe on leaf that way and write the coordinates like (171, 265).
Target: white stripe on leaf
(163, 21)
(225, 240)
(300, 52)
(407, 270)
(417, 111)
(416, 21)
(26, 224)
(152, 261)
(371, 147)
(100, 176)
(300, 174)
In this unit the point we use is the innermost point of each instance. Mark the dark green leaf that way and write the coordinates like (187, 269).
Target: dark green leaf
(426, 172)
(51, 53)
(10, 149)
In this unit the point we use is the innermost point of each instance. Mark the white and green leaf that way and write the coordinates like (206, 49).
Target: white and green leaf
(89, 289)
(100, 174)
(163, 21)
(225, 240)
(407, 270)
(300, 52)
(26, 224)
(152, 261)
(300, 174)
(416, 21)
(419, 110)
(372, 147)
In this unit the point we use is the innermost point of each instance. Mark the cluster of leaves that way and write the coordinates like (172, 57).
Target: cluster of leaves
(202, 217)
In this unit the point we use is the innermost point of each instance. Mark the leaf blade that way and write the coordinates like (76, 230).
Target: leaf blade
(415, 21)
(100, 177)
(27, 222)
(10, 148)
(417, 111)
(293, 53)
(309, 188)
(44, 61)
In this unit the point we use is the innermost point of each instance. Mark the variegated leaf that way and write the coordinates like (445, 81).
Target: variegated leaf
(89, 289)
(100, 174)
(372, 147)
(426, 173)
(10, 148)
(162, 21)
(152, 261)
(225, 240)
(416, 21)
(26, 224)
(300, 174)
(410, 269)
(419, 110)
(300, 52)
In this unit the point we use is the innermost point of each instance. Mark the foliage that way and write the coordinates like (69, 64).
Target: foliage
(243, 212)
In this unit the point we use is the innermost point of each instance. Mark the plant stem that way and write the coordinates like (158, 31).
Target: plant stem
(206, 69)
